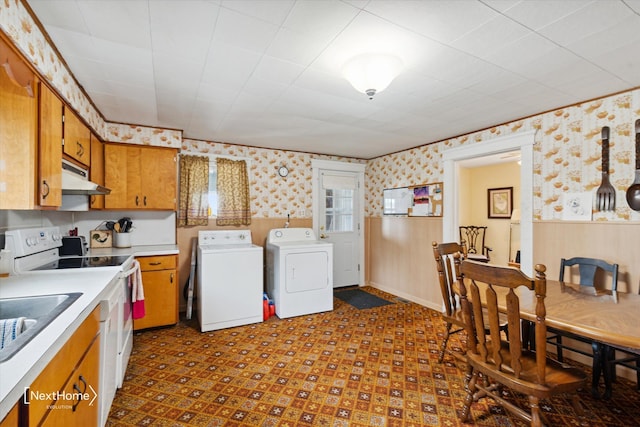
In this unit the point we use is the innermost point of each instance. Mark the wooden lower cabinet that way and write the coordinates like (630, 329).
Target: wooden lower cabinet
(82, 383)
(12, 419)
(160, 284)
(74, 371)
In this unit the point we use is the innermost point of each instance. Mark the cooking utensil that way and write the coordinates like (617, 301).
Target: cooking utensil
(606, 194)
(633, 192)
(116, 227)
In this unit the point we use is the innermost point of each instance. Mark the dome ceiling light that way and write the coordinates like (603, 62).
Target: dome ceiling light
(372, 73)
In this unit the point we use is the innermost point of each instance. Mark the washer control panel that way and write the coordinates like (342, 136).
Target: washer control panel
(224, 237)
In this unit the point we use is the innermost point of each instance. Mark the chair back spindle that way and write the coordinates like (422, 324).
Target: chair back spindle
(491, 345)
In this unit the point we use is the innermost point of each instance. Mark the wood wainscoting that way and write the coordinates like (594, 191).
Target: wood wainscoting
(614, 242)
(399, 257)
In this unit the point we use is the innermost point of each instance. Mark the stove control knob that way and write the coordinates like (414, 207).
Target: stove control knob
(242, 237)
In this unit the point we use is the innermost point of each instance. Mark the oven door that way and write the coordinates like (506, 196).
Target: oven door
(125, 324)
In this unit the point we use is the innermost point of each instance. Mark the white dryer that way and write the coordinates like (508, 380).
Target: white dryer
(230, 279)
(299, 272)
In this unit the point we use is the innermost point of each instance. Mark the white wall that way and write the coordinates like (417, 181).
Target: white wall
(149, 227)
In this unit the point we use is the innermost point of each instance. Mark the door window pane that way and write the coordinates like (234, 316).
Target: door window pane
(339, 210)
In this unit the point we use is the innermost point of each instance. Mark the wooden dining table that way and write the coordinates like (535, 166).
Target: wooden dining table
(604, 316)
(608, 317)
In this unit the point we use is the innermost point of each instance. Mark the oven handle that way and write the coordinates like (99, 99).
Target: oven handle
(129, 272)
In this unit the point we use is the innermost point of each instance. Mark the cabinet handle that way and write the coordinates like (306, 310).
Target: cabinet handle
(46, 187)
(80, 149)
(155, 263)
(171, 278)
(75, 404)
(93, 200)
(137, 199)
(145, 200)
(84, 383)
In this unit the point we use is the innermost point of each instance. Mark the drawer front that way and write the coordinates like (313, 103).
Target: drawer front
(161, 262)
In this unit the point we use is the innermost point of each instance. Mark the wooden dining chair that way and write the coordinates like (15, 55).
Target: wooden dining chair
(592, 274)
(453, 296)
(448, 257)
(474, 236)
(496, 362)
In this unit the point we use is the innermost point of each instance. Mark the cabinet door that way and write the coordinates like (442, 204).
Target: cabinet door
(61, 369)
(12, 419)
(18, 126)
(160, 299)
(120, 165)
(159, 178)
(77, 139)
(50, 148)
(83, 385)
(97, 170)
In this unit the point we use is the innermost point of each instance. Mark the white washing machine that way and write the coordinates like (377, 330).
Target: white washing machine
(230, 279)
(299, 272)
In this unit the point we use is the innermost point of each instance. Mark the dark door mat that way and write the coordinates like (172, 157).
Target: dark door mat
(360, 299)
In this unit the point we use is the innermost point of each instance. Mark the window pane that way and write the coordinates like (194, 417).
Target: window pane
(339, 210)
(213, 191)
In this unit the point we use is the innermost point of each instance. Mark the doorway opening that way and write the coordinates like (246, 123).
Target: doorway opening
(453, 160)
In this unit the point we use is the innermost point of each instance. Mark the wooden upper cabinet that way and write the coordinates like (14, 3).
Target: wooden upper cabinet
(140, 177)
(50, 148)
(97, 170)
(18, 132)
(77, 138)
(159, 178)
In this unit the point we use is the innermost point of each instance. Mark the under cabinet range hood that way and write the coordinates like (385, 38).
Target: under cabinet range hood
(75, 181)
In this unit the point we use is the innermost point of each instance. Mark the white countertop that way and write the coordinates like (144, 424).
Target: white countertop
(23, 368)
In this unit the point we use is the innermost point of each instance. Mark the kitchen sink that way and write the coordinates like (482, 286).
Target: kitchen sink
(39, 312)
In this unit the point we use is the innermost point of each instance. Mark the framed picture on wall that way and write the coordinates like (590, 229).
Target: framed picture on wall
(500, 202)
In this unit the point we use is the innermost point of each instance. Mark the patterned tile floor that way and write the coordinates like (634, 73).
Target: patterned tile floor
(347, 367)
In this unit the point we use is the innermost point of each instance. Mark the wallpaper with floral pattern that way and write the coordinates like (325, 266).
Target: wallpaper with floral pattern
(271, 195)
(567, 151)
(567, 157)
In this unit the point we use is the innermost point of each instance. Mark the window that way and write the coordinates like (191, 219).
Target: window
(213, 181)
(213, 188)
(339, 210)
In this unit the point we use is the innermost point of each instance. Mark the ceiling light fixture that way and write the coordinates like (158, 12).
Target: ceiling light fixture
(372, 73)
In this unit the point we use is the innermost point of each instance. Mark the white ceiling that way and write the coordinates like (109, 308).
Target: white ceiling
(266, 73)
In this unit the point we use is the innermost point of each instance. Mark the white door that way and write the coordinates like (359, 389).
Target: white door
(340, 225)
(348, 254)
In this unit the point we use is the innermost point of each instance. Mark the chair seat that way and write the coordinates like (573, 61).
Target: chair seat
(558, 377)
(477, 257)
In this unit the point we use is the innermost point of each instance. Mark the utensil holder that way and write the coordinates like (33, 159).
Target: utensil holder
(122, 240)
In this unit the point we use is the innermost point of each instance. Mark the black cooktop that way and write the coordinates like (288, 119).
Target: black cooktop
(85, 262)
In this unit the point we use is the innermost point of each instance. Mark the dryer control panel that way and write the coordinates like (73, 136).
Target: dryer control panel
(291, 235)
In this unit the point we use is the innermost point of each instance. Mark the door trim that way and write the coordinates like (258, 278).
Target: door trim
(521, 141)
(317, 167)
